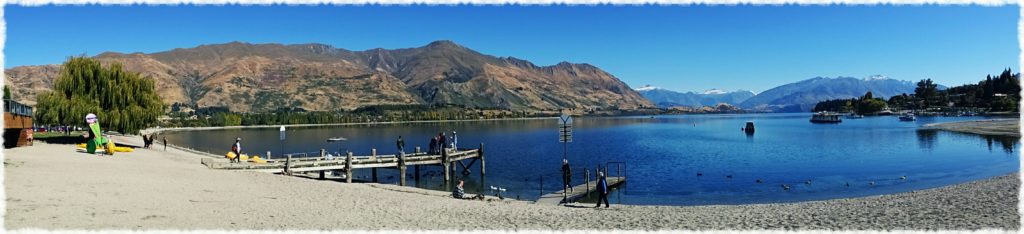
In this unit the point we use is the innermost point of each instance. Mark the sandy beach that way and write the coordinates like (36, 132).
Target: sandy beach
(49, 186)
(991, 127)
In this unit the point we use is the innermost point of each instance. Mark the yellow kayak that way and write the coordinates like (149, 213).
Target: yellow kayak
(116, 148)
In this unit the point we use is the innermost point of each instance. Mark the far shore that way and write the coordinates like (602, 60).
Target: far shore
(159, 130)
(989, 127)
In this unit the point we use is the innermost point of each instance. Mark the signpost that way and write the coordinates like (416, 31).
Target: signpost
(565, 132)
(282, 139)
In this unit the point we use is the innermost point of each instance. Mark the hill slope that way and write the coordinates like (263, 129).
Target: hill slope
(259, 77)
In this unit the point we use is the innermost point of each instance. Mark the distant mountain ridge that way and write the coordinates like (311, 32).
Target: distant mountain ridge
(259, 77)
(667, 98)
(801, 96)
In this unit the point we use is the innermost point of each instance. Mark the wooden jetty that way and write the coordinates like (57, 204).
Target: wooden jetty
(577, 192)
(448, 159)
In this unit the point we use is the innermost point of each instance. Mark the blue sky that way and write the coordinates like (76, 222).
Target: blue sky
(686, 48)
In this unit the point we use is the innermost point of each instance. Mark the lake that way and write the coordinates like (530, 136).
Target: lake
(663, 155)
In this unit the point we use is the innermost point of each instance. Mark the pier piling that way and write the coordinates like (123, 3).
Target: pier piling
(348, 167)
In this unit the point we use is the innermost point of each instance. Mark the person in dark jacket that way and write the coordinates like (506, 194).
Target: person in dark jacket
(566, 176)
(602, 190)
(442, 141)
(401, 146)
(433, 145)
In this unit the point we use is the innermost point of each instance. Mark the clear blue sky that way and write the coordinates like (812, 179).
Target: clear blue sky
(686, 48)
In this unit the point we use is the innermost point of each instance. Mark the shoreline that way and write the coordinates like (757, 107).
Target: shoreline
(1009, 127)
(52, 187)
(182, 129)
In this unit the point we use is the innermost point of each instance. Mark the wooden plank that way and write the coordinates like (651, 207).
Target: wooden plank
(578, 191)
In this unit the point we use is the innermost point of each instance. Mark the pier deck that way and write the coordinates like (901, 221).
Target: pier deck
(449, 160)
(578, 191)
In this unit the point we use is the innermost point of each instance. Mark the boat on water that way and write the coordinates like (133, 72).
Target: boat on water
(825, 117)
(908, 117)
(854, 116)
(336, 139)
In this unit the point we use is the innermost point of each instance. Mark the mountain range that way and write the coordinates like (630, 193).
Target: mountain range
(665, 98)
(801, 96)
(248, 77)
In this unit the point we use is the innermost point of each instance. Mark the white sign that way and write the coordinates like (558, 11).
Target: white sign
(282, 132)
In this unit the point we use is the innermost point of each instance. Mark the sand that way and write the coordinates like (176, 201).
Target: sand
(991, 127)
(50, 186)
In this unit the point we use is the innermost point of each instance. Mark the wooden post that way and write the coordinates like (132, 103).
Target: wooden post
(444, 163)
(401, 169)
(483, 163)
(373, 156)
(586, 177)
(348, 168)
(288, 165)
(416, 171)
(322, 156)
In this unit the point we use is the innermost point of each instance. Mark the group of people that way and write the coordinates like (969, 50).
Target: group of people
(602, 184)
(440, 142)
(147, 141)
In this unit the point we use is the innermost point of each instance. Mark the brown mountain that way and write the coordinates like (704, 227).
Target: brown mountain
(258, 77)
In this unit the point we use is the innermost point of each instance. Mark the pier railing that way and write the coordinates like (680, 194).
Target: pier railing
(323, 161)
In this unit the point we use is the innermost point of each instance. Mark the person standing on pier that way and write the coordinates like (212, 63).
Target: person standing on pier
(602, 190)
(442, 141)
(566, 176)
(433, 145)
(401, 146)
(455, 141)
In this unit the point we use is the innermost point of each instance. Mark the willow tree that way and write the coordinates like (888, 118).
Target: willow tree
(124, 101)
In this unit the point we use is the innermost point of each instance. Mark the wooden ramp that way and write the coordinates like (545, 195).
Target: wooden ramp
(578, 191)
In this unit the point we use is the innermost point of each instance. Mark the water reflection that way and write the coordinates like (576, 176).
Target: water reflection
(926, 140)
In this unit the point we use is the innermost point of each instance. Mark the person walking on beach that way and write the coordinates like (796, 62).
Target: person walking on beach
(237, 149)
(602, 190)
(165, 143)
(401, 146)
(566, 176)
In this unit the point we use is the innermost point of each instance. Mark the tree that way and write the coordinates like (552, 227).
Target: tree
(124, 101)
(7, 92)
(925, 91)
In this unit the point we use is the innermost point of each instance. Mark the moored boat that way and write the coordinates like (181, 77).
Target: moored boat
(908, 117)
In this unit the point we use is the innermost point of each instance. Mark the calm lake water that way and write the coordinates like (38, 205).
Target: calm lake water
(664, 154)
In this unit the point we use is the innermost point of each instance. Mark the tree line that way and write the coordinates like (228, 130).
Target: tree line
(999, 93)
(221, 116)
